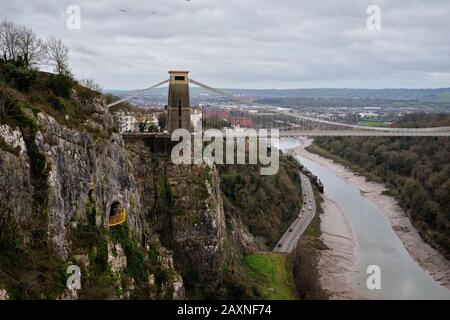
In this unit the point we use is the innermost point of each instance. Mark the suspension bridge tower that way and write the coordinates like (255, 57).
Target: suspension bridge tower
(178, 108)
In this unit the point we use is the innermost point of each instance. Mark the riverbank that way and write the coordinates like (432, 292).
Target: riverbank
(336, 264)
(427, 257)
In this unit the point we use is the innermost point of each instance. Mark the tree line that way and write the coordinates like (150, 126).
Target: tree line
(21, 45)
(24, 52)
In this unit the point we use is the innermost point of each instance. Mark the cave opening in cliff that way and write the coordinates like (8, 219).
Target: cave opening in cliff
(117, 214)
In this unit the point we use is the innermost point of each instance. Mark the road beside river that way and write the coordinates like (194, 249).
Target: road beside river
(290, 238)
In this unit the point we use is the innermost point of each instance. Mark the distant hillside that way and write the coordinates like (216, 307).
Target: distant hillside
(430, 95)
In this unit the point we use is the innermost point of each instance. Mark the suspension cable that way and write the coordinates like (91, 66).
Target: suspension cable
(137, 93)
(220, 92)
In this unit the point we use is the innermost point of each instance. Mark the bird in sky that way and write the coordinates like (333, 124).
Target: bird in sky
(123, 11)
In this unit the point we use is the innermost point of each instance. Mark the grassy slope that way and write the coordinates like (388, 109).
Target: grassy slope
(273, 274)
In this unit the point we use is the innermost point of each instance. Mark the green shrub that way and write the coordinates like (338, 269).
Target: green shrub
(60, 85)
(57, 102)
(28, 270)
(137, 266)
(17, 76)
(87, 238)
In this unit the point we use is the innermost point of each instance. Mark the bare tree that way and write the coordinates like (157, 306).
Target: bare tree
(9, 40)
(57, 54)
(142, 123)
(31, 48)
(91, 84)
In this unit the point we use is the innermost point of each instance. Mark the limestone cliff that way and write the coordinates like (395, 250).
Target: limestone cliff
(183, 204)
(63, 181)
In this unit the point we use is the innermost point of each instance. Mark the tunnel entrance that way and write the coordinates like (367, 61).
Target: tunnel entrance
(117, 214)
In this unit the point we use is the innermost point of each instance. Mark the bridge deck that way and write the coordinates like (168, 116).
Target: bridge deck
(313, 133)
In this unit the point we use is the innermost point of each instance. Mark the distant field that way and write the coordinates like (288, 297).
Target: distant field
(444, 97)
(273, 275)
(373, 123)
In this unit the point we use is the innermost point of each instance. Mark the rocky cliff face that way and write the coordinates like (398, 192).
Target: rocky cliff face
(16, 190)
(80, 169)
(198, 229)
(84, 175)
(183, 204)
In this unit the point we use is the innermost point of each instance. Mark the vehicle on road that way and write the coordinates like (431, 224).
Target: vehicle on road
(290, 230)
(303, 209)
(309, 208)
(280, 245)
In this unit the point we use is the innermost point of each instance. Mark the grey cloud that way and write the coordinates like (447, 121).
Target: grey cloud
(251, 43)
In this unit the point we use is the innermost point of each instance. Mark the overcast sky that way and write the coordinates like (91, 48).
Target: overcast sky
(250, 43)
